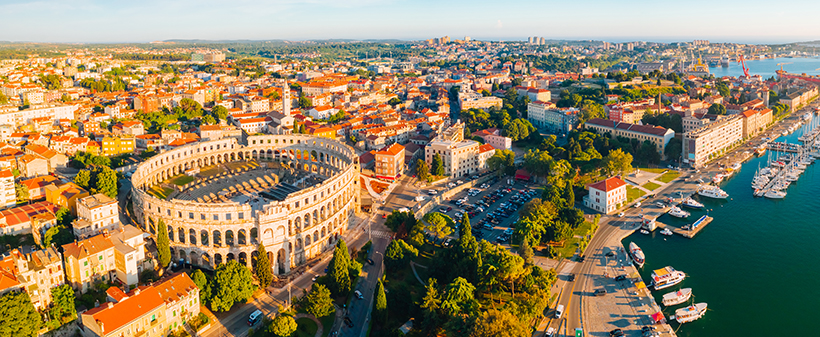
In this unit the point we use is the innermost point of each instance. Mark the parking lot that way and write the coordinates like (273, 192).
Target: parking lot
(492, 208)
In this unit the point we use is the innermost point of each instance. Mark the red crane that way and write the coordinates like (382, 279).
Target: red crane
(743, 64)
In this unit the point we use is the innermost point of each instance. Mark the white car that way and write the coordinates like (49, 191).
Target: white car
(432, 192)
(621, 215)
(550, 332)
(637, 204)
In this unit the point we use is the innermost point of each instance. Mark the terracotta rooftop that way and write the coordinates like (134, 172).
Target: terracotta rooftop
(608, 184)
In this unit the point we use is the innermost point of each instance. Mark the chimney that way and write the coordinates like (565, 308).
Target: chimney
(110, 305)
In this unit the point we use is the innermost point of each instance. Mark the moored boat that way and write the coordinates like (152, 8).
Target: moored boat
(691, 203)
(637, 254)
(677, 297)
(666, 277)
(675, 211)
(666, 231)
(712, 192)
(775, 194)
(690, 313)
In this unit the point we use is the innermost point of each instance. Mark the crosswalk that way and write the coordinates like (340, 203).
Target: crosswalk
(382, 234)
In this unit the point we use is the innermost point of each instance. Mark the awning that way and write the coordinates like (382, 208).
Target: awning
(658, 317)
(640, 285)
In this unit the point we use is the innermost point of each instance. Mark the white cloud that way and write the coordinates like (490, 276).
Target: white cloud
(499, 24)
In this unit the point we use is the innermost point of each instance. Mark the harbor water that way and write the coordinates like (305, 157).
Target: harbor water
(756, 263)
(767, 67)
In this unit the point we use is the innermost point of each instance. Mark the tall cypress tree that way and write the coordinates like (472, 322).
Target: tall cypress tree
(262, 270)
(380, 305)
(163, 244)
(569, 195)
(465, 228)
(338, 270)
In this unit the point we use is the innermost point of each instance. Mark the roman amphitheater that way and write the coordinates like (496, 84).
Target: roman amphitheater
(295, 194)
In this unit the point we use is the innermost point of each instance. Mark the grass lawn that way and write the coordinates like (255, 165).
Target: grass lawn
(668, 176)
(572, 244)
(327, 323)
(182, 179)
(160, 192)
(653, 170)
(306, 327)
(633, 193)
(651, 186)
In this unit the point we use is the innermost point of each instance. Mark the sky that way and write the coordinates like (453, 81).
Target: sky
(750, 21)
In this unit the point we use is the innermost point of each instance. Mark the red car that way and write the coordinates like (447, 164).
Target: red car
(384, 216)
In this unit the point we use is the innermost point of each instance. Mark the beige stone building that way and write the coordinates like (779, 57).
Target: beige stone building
(701, 145)
(117, 254)
(459, 156)
(95, 214)
(390, 162)
(36, 273)
(657, 135)
(755, 121)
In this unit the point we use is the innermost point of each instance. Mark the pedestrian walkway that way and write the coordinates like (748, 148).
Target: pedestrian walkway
(413, 266)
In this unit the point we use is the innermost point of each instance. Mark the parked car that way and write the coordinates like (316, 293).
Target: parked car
(370, 261)
(600, 292)
(616, 333)
(620, 278)
(432, 192)
(348, 322)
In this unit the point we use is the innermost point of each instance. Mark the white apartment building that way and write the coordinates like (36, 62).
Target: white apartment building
(8, 197)
(16, 117)
(460, 157)
(701, 145)
(606, 196)
(656, 135)
(546, 117)
(95, 214)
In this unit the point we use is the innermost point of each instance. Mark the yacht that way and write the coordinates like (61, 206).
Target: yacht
(677, 297)
(666, 277)
(691, 203)
(637, 254)
(775, 194)
(675, 211)
(690, 313)
(712, 192)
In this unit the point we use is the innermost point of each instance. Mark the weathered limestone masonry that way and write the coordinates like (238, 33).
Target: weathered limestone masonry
(294, 230)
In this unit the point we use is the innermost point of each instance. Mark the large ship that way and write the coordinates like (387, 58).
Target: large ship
(677, 297)
(666, 277)
(637, 254)
(712, 192)
(690, 313)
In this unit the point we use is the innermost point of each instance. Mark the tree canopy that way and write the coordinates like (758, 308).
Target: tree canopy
(318, 301)
(19, 318)
(232, 283)
(262, 269)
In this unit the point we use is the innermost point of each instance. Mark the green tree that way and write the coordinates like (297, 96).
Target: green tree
(437, 168)
(498, 323)
(717, 109)
(318, 301)
(219, 112)
(465, 228)
(422, 170)
(618, 162)
(590, 110)
(282, 326)
(398, 254)
(459, 298)
(21, 191)
(338, 270)
(19, 318)
(262, 269)
(163, 244)
(58, 235)
(304, 102)
(432, 299)
(3, 99)
(569, 195)
(62, 302)
(394, 101)
(525, 251)
(673, 149)
(204, 286)
(208, 120)
(295, 128)
(106, 182)
(233, 283)
(380, 305)
(437, 224)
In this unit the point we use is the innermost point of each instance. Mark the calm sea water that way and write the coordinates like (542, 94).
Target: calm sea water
(755, 264)
(767, 67)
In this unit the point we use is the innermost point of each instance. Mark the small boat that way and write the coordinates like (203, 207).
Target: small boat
(666, 232)
(718, 178)
(643, 231)
(690, 313)
(736, 166)
(712, 192)
(675, 211)
(677, 297)
(666, 277)
(637, 254)
(691, 203)
(775, 194)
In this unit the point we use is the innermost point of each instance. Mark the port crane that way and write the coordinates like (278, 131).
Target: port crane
(743, 64)
(782, 64)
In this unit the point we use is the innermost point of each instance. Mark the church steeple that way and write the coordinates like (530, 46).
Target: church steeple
(285, 98)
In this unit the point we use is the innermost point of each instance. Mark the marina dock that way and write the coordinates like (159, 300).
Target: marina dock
(698, 226)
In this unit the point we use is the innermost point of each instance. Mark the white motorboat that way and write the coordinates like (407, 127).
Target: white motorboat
(718, 178)
(675, 211)
(736, 166)
(691, 203)
(712, 192)
(637, 254)
(666, 277)
(690, 313)
(643, 231)
(666, 232)
(677, 297)
(775, 194)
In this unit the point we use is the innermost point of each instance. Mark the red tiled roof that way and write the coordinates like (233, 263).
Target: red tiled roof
(608, 184)
(127, 310)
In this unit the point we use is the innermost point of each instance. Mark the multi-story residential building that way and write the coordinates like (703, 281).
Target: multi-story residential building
(8, 196)
(148, 311)
(321, 87)
(701, 145)
(37, 186)
(55, 160)
(799, 97)
(485, 151)
(474, 100)
(105, 257)
(493, 137)
(32, 166)
(694, 122)
(656, 135)
(115, 145)
(459, 156)
(65, 195)
(390, 162)
(546, 117)
(208, 57)
(95, 214)
(606, 196)
(755, 121)
(36, 273)
(28, 219)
